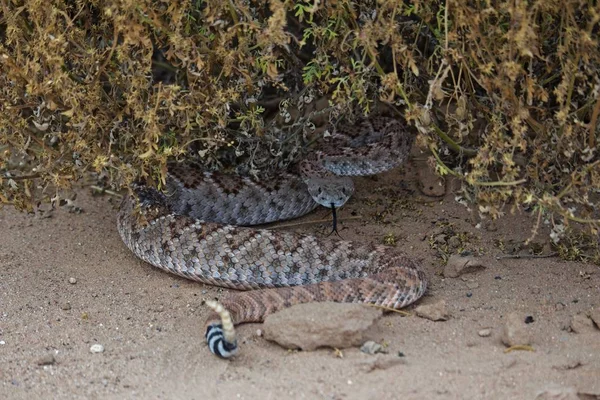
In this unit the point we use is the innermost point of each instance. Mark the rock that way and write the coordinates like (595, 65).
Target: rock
(72, 281)
(429, 183)
(382, 362)
(458, 265)
(97, 348)
(558, 393)
(581, 323)
(515, 331)
(571, 364)
(313, 325)
(440, 239)
(435, 311)
(48, 359)
(594, 314)
(485, 332)
(66, 306)
(454, 242)
(371, 347)
(472, 285)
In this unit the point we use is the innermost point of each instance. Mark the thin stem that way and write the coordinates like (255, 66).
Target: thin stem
(312, 222)
(499, 183)
(452, 144)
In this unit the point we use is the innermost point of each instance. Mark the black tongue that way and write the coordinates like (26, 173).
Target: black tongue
(334, 214)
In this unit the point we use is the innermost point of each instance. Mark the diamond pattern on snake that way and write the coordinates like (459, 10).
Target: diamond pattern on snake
(201, 228)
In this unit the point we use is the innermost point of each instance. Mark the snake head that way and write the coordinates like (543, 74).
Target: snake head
(334, 191)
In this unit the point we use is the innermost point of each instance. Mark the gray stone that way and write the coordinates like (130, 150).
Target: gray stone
(581, 323)
(97, 348)
(435, 311)
(594, 314)
(458, 265)
(440, 239)
(48, 359)
(381, 362)
(486, 332)
(429, 183)
(558, 393)
(313, 325)
(371, 347)
(515, 331)
(454, 242)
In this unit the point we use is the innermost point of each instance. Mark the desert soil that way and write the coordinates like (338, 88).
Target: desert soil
(67, 282)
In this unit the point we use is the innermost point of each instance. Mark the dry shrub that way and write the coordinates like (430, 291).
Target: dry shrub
(505, 93)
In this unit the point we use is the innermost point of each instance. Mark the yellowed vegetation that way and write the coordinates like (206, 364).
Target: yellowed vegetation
(505, 93)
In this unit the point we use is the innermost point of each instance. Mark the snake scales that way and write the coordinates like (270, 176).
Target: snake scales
(195, 230)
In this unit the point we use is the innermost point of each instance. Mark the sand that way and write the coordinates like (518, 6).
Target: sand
(150, 323)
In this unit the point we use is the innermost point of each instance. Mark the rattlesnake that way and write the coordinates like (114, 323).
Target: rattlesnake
(168, 230)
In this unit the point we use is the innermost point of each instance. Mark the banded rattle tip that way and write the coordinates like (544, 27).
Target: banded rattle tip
(221, 337)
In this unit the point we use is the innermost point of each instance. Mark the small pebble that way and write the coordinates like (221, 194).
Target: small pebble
(558, 393)
(371, 347)
(434, 311)
(515, 331)
(72, 281)
(454, 242)
(97, 348)
(472, 285)
(581, 323)
(48, 359)
(381, 362)
(594, 314)
(2, 342)
(485, 332)
(529, 319)
(259, 333)
(440, 239)
(462, 264)
(66, 306)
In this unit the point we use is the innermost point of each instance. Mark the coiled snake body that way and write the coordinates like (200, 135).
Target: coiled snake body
(195, 230)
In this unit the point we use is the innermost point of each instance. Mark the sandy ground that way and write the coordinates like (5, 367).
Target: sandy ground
(150, 323)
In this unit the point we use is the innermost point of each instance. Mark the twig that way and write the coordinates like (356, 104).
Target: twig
(107, 191)
(22, 177)
(452, 144)
(390, 309)
(523, 347)
(499, 183)
(592, 126)
(317, 221)
(506, 256)
(534, 231)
